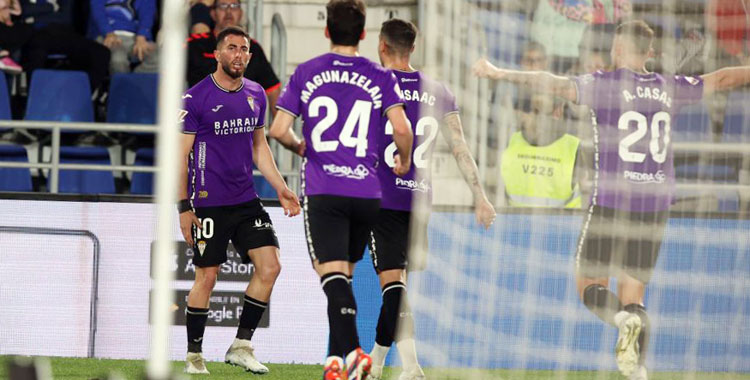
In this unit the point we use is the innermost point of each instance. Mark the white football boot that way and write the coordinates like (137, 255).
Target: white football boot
(413, 374)
(241, 354)
(639, 374)
(195, 364)
(627, 350)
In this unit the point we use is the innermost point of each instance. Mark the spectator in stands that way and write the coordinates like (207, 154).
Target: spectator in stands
(12, 35)
(124, 27)
(201, 60)
(53, 34)
(538, 166)
(200, 16)
(728, 22)
(534, 57)
(559, 25)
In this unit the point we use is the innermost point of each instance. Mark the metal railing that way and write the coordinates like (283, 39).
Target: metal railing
(54, 166)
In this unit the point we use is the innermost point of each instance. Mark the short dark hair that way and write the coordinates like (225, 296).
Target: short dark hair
(399, 36)
(231, 31)
(639, 33)
(345, 21)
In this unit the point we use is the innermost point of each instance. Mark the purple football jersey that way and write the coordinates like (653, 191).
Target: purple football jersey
(427, 103)
(342, 101)
(223, 121)
(633, 115)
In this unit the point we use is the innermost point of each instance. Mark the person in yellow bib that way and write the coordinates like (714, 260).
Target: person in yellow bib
(539, 164)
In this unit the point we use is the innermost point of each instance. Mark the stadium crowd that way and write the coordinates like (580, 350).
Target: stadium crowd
(107, 37)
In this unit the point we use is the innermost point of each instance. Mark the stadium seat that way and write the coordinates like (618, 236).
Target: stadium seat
(142, 182)
(4, 101)
(692, 123)
(729, 201)
(506, 35)
(263, 188)
(57, 95)
(737, 117)
(132, 98)
(14, 179)
(85, 181)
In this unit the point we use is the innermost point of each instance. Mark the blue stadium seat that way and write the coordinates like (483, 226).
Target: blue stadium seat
(263, 188)
(85, 181)
(737, 117)
(57, 95)
(142, 182)
(692, 123)
(728, 201)
(13, 179)
(4, 101)
(132, 98)
(506, 35)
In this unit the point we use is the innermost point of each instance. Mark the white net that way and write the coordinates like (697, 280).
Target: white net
(503, 303)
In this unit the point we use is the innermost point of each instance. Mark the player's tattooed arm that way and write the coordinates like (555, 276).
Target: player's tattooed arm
(539, 80)
(725, 79)
(454, 134)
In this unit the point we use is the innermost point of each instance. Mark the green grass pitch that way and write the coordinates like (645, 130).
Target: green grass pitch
(94, 369)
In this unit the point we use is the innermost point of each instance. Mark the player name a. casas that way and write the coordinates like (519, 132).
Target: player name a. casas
(233, 270)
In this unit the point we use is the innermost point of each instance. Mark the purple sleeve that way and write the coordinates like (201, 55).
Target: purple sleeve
(188, 117)
(392, 95)
(449, 104)
(263, 109)
(586, 89)
(289, 100)
(688, 90)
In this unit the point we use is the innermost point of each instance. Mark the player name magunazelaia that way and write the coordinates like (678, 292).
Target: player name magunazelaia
(346, 77)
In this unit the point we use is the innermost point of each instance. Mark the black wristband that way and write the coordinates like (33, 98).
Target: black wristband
(184, 206)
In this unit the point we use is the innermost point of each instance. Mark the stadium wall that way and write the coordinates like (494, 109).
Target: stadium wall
(514, 288)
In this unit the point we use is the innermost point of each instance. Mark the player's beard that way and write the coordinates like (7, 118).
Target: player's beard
(227, 67)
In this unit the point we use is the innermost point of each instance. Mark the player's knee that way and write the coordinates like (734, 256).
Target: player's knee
(268, 272)
(206, 280)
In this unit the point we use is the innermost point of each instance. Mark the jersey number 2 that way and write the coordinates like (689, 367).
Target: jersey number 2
(658, 153)
(359, 117)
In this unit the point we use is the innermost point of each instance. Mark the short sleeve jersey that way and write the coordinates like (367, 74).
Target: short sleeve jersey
(633, 115)
(428, 102)
(223, 121)
(343, 102)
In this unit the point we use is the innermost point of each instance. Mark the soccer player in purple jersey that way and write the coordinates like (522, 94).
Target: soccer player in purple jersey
(343, 99)
(223, 137)
(430, 107)
(632, 111)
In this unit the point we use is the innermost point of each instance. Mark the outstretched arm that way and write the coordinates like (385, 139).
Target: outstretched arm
(454, 134)
(725, 79)
(542, 80)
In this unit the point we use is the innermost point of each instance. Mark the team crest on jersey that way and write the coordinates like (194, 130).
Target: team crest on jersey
(251, 102)
(201, 246)
(692, 80)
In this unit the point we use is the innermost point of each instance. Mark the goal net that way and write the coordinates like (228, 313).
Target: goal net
(503, 303)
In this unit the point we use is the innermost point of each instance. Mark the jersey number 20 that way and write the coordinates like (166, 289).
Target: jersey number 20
(658, 152)
(359, 117)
